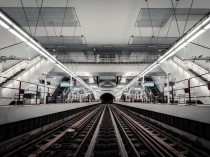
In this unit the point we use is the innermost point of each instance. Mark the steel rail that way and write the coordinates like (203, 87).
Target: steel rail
(33, 142)
(97, 123)
(94, 138)
(131, 146)
(162, 148)
(123, 151)
(77, 126)
(193, 150)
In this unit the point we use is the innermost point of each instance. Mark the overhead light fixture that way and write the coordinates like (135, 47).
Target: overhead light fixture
(18, 32)
(200, 29)
(4, 24)
(18, 35)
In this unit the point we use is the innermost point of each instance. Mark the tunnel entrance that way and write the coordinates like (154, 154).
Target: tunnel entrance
(107, 98)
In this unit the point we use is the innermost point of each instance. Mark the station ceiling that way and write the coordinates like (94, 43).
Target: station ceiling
(87, 28)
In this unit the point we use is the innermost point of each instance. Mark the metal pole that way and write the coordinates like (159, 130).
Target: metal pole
(163, 96)
(19, 93)
(37, 87)
(189, 92)
(168, 89)
(172, 90)
(45, 84)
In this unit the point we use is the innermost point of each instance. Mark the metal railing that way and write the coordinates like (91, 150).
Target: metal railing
(190, 92)
(106, 59)
(19, 87)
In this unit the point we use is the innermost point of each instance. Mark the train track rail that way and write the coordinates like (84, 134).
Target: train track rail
(157, 141)
(43, 141)
(107, 131)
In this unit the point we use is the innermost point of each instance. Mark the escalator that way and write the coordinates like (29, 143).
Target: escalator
(58, 93)
(153, 92)
(203, 79)
(183, 71)
(154, 89)
(11, 77)
(199, 76)
(29, 73)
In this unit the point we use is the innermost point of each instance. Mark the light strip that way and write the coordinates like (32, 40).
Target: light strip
(200, 29)
(18, 35)
(4, 24)
(18, 32)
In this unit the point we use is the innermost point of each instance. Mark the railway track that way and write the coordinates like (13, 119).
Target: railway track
(46, 139)
(157, 141)
(106, 131)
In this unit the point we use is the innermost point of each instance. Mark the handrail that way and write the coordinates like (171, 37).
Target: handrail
(187, 89)
(106, 59)
(18, 64)
(194, 64)
(185, 93)
(18, 88)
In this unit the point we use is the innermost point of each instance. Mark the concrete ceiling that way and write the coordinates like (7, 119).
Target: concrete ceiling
(110, 26)
(111, 22)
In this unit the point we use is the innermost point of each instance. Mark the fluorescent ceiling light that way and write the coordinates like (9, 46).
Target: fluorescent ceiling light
(5, 18)
(200, 29)
(207, 27)
(18, 35)
(18, 32)
(196, 35)
(4, 24)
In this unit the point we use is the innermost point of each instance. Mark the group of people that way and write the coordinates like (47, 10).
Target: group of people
(139, 97)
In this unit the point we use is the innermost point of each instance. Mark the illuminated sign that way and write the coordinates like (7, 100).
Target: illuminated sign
(149, 84)
(64, 84)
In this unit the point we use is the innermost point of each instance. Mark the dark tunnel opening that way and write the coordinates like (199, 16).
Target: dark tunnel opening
(107, 98)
